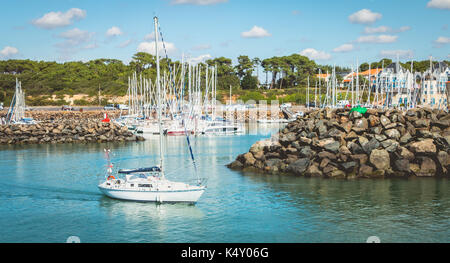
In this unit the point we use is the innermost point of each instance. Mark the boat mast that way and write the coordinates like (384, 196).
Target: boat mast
(159, 106)
(307, 95)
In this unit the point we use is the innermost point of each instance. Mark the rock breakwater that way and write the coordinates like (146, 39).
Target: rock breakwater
(62, 127)
(338, 144)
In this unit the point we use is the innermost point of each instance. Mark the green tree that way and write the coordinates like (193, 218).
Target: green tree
(249, 82)
(244, 66)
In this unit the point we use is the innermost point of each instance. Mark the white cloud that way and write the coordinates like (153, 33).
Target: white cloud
(75, 40)
(384, 29)
(202, 47)
(344, 48)
(201, 58)
(442, 40)
(256, 32)
(313, 54)
(149, 47)
(394, 53)
(197, 2)
(404, 28)
(377, 39)
(59, 19)
(8, 51)
(91, 46)
(376, 30)
(76, 36)
(125, 43)
(364, 16)
(114, 31)
(440, 4)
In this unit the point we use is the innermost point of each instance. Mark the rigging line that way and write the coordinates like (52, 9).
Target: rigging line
(189, 143)
(176, 94)
(167, 58)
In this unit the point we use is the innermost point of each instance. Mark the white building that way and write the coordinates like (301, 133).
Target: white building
(434, 86)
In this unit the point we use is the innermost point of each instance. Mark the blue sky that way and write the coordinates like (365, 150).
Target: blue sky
(331, 32)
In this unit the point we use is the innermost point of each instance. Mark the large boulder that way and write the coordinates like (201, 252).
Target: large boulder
(236, 165)
(306, 152)
(313, 171)
(299, 167)
(365, 170)
(427, 167)
(380, 159)
(444, 159)
(402, 165)
(371, 145)
(424, 146)
(390, 145)
(273, 164)
(259, 146)
(384, 120)
(406, 138)
(349, 166)
(374, 120)
(333, 147)
(393, 134)
(361, 124)
(249, 159)
(405, 153)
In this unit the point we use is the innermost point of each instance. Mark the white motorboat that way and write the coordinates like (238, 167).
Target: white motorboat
(222, 128)
(150, 184)
(147, 127)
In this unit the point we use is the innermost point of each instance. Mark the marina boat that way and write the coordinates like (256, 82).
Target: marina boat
(178, 131)
(178, 127)
(222, 128)
(275, 120)
(147, 127)
(150, 184)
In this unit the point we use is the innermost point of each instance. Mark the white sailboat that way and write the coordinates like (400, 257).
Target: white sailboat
(150, 184)
(16, 112)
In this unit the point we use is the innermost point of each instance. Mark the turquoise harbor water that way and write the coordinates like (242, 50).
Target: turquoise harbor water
(49, 192)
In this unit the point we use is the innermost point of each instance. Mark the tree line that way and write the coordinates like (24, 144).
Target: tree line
(110, 76)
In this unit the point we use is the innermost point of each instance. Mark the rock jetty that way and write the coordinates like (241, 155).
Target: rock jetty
(335, 143)
(66, 127)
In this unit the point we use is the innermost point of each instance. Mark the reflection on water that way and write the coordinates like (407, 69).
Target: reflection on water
(49, 192)
(396, 209)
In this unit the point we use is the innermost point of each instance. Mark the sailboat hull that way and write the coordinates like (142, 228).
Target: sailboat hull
(182, 196)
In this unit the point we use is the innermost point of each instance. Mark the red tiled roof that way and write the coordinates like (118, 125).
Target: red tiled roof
(373, 71)
(322, 76)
